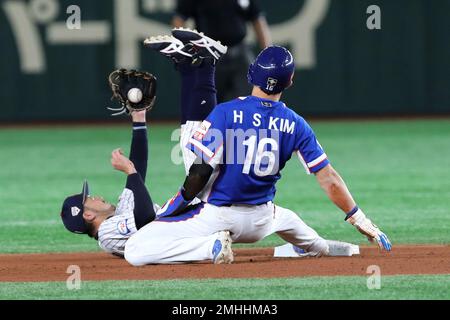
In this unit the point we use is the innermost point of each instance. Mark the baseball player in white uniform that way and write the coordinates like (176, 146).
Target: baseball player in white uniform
(112, 226)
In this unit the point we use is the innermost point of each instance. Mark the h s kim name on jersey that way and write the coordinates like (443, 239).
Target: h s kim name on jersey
(275, 123)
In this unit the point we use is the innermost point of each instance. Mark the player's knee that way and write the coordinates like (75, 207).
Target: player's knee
(132, 256)
(133, 260)
(319, 248)
(138, 259)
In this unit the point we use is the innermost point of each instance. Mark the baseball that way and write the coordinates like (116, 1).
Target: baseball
(135, 95)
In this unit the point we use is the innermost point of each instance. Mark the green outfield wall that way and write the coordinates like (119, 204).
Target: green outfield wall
(50, 70)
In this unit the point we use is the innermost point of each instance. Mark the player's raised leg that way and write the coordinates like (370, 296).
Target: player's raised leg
(195, 56)
(197, 98)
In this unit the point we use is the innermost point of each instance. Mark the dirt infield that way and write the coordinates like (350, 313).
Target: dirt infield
(249, 263)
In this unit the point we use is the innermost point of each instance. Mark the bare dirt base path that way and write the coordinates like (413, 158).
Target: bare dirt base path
(249, 263)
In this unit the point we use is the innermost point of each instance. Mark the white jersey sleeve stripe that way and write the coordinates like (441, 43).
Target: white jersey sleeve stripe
(201, 147)
(216, 157)
(317, 161)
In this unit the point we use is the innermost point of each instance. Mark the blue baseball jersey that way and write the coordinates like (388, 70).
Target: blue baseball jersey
(250, 140)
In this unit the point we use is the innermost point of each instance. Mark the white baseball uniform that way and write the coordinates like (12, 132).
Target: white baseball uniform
(115, 231)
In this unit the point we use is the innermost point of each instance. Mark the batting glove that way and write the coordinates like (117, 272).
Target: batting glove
(357, 218)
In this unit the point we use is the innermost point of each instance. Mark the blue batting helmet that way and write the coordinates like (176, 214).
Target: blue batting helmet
(272, 70)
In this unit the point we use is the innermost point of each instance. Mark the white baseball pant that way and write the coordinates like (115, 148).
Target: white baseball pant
(192, 237)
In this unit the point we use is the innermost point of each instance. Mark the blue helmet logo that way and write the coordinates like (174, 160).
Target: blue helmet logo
(272, 70)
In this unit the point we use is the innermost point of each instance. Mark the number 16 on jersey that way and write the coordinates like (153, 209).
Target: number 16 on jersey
(266, 160)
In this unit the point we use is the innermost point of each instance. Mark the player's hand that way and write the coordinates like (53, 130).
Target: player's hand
(122, 163)
(370, 230)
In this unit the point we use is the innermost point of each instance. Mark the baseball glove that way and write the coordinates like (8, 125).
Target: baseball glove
(124, 84)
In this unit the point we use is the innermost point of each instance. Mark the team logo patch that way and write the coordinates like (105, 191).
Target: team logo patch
(202, 130)
(271, 83)
(75, 211)
(122, 227)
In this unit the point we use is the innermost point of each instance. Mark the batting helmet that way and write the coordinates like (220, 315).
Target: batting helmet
(272, 70)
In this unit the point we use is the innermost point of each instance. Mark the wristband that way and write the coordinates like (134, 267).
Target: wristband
(351, 213)
(139, 125)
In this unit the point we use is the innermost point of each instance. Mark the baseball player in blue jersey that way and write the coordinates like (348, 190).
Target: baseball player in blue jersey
(241, 148)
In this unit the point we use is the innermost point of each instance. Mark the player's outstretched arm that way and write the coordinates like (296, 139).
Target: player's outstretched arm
(143, 211)
(139, 142)
(336, 189)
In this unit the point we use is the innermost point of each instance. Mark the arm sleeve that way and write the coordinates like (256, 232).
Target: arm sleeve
(139, 148)
(185, 9)
(198, 177)
(308, 149)
(143, 211)
(208, 140)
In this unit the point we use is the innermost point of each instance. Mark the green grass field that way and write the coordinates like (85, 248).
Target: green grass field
(391, 287)
(398, 172)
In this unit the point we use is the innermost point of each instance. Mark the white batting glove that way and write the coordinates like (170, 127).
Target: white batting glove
(370, 230)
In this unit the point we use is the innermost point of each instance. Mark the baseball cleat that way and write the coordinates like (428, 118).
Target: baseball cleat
(208, 48)
(170, 47)
(221, 251)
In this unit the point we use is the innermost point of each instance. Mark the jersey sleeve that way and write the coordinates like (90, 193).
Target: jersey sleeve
(142, 202)
(308, 149)
(115, 232)
(208, 140)
(139, 148)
